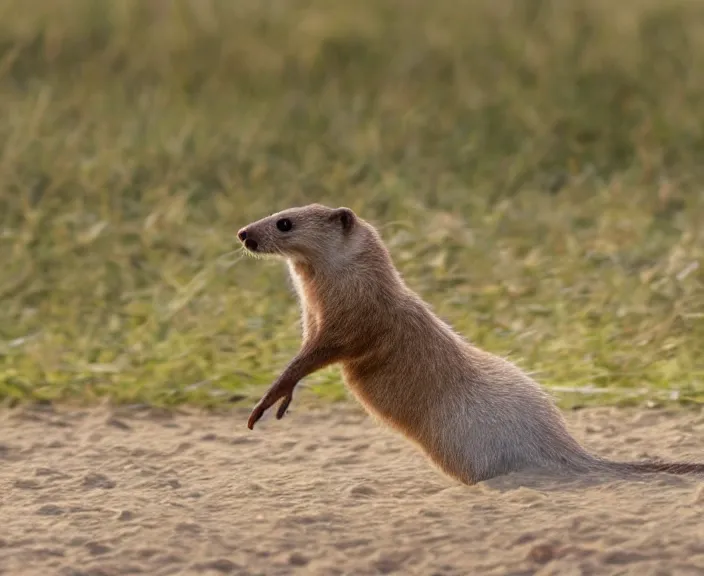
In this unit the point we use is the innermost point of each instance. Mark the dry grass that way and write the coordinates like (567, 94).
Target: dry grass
(535, 167)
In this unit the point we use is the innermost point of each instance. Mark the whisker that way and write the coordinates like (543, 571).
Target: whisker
(226, 254)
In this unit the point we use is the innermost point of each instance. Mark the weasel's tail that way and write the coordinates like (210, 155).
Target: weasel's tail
(657, 466)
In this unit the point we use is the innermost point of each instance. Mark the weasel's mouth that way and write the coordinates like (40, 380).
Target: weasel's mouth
(251, 245)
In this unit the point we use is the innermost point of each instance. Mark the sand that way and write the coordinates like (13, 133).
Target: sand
(105, 491)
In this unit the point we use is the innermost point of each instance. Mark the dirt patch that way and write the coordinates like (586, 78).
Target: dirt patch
(105, 492)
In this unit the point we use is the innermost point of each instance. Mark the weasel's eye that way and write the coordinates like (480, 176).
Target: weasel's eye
(284, 224)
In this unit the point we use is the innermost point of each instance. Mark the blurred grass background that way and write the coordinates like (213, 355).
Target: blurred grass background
(535, 166)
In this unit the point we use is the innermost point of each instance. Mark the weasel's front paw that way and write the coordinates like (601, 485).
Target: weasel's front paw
(277, 391)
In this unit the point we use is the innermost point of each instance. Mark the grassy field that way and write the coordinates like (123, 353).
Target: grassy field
(535, 167)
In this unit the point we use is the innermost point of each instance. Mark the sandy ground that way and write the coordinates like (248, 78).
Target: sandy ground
(102, 492)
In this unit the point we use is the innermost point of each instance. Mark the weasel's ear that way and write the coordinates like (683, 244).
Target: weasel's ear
(344, 216)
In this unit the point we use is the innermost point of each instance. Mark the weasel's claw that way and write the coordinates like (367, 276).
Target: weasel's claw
(254, 417)
(283, 407)
(270, 398)
(262, 406)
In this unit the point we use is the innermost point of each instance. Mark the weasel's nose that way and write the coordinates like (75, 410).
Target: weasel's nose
(249, 243)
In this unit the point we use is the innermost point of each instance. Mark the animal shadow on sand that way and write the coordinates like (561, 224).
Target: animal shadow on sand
(567, 481)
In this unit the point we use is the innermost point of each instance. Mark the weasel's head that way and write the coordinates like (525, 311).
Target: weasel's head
(312, 234)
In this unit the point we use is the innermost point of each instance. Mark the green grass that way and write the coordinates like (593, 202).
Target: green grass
(536, 170)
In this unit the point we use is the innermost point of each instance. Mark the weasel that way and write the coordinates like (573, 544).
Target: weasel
(474, 414)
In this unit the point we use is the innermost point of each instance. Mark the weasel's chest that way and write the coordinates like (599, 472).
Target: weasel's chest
(384, 396)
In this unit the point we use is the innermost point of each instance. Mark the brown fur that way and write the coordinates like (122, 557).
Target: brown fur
(475, 415)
